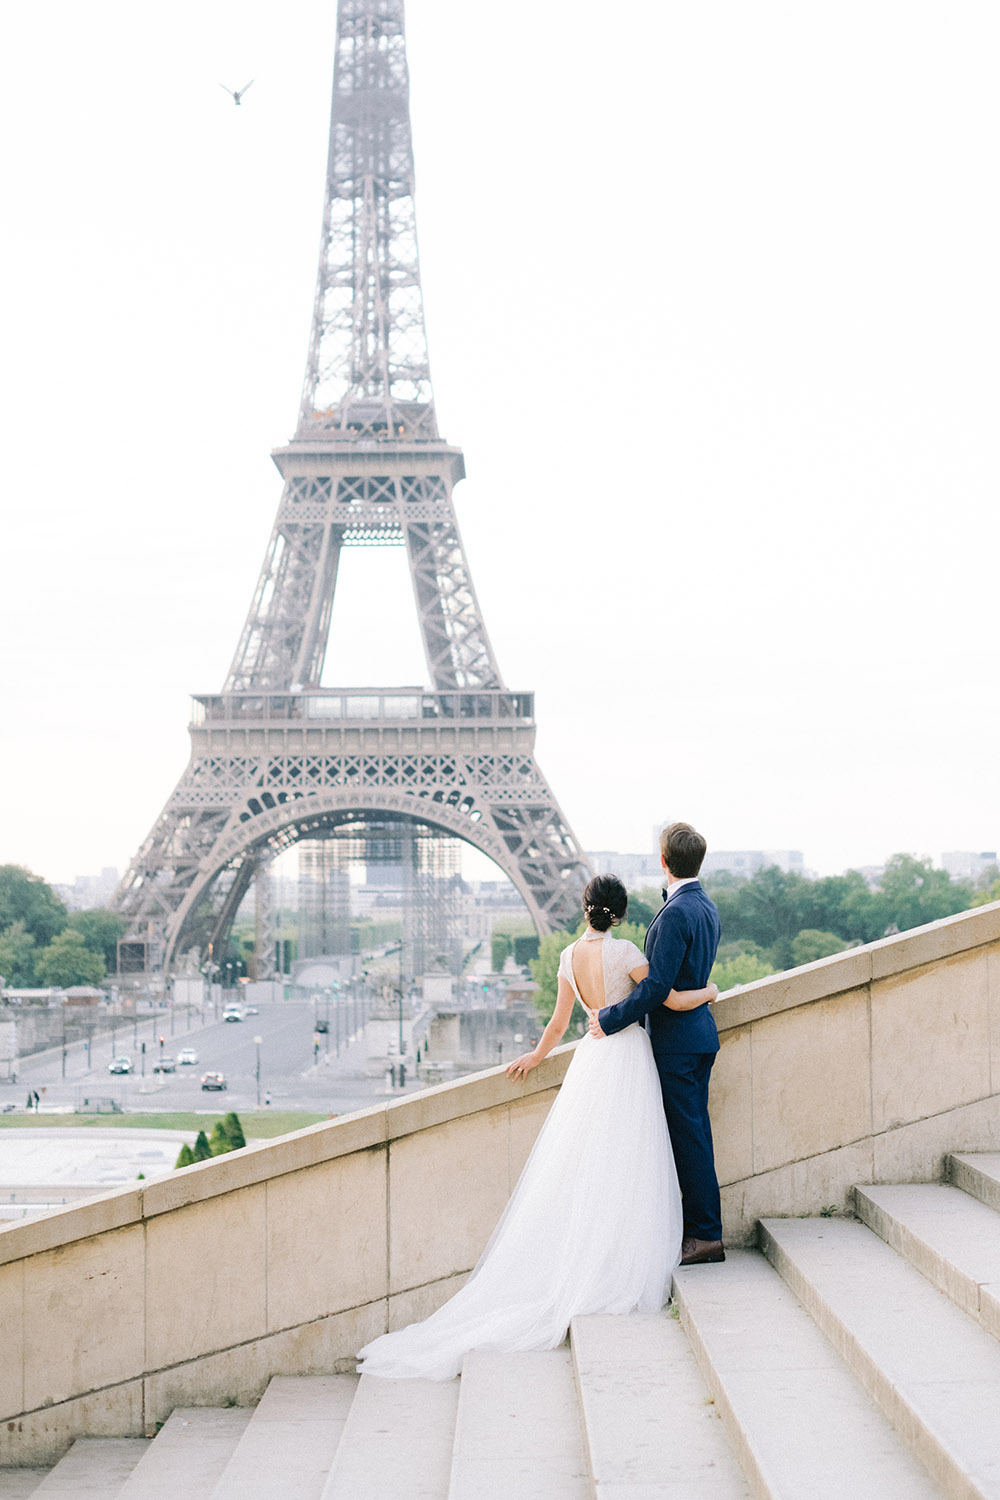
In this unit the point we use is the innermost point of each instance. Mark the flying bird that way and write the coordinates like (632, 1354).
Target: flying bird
(236, 93)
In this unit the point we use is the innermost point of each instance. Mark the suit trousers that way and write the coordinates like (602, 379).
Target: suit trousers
(684, 1081)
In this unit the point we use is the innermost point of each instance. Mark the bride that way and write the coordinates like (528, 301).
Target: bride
(594, 1223)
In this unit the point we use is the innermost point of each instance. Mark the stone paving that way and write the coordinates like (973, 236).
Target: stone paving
(49, 1167)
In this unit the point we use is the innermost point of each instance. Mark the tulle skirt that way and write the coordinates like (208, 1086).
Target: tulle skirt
(593, 1226)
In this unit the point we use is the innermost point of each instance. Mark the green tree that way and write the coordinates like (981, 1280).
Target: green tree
(742, 968)
(17, 957)
(545, 972)
(185, 1157)
(847, 905)
(201, 1150)
(219, 1142)
(643, 904)
(634, 932)
(501, 947)
(982, 898)
(525, 948)
(912, 892)
(810, 944)
(737, 949)
(67, 960)
(101, 930)
(27, 898)
(770, 909)
(234, 1130)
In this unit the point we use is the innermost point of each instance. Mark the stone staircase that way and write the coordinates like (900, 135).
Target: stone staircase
(844, 1357)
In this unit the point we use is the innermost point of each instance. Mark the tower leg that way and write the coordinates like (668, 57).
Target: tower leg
(265, 924)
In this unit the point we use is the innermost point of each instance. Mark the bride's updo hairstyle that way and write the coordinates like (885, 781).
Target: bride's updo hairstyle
(605, 902)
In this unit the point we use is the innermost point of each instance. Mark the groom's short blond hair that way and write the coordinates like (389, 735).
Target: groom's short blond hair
(683, 848)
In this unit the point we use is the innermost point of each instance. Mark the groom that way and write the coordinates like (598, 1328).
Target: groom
(681, 945)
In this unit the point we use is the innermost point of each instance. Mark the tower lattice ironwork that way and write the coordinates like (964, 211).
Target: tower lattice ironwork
(275, 756)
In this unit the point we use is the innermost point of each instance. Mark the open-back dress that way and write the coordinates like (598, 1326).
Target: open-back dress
(594, 1224)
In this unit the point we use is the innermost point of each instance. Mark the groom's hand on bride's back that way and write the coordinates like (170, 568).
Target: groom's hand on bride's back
(594, 1026)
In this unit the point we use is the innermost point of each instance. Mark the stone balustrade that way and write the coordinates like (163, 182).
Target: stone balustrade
(286, 1257)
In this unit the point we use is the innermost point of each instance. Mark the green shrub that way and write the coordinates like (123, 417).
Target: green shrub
(234, 1130)
(525, 949)
(219, 1142)
(501, 947)
(201, 1150)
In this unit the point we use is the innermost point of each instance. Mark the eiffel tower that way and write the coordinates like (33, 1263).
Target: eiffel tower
(275, 757)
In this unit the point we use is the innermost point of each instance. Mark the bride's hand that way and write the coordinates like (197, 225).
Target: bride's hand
(522, 1066)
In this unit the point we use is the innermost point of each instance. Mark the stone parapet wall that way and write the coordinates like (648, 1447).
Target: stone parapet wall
(869, 1066)
(286, 1257)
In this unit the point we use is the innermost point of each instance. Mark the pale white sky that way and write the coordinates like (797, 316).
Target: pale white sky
(712, 301)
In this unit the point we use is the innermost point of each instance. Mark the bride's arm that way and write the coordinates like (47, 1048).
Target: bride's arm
(679, 999)
(552, 1034)
(691, 999)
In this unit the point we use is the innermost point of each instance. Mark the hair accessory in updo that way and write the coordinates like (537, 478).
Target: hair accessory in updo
(605, 901)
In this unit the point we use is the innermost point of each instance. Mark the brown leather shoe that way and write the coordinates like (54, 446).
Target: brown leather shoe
(702, 1252)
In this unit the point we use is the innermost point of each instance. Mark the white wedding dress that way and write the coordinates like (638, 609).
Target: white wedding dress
(593, 1225)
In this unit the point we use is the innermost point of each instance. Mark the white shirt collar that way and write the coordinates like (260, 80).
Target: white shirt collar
(672, 890)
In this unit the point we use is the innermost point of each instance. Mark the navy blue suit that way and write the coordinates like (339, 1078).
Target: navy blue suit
(681, 944)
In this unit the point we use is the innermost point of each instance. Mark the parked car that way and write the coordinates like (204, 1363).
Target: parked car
(251, 1010)
(232, 1013)
(120, 1065)
(213, 1081)
(187, 1056)
(165, 1065)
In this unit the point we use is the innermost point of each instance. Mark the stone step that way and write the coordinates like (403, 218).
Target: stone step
(518, 1432)
(652, 1431)
(93, 1467)
(952, 1239)
(934, 1372)
(977, 1173)
(289, 1445)
(799, 1420)
(20, 1484)
(186, 1458)
(397, 1441)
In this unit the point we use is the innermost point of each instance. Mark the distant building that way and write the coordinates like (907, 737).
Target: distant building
(962, 865)
(747, 862)
(88, 891)
(484, 903)
(632, 869)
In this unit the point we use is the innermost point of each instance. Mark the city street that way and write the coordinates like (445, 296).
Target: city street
(292, 1073)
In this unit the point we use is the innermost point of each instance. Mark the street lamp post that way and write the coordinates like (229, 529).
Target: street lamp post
(257, 1041)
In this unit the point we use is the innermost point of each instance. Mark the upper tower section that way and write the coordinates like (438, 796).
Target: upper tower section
(368, 374)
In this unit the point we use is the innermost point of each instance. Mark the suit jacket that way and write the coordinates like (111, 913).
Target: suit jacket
(681, 943)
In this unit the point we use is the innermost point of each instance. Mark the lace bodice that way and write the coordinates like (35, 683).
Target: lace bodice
(618, 956)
